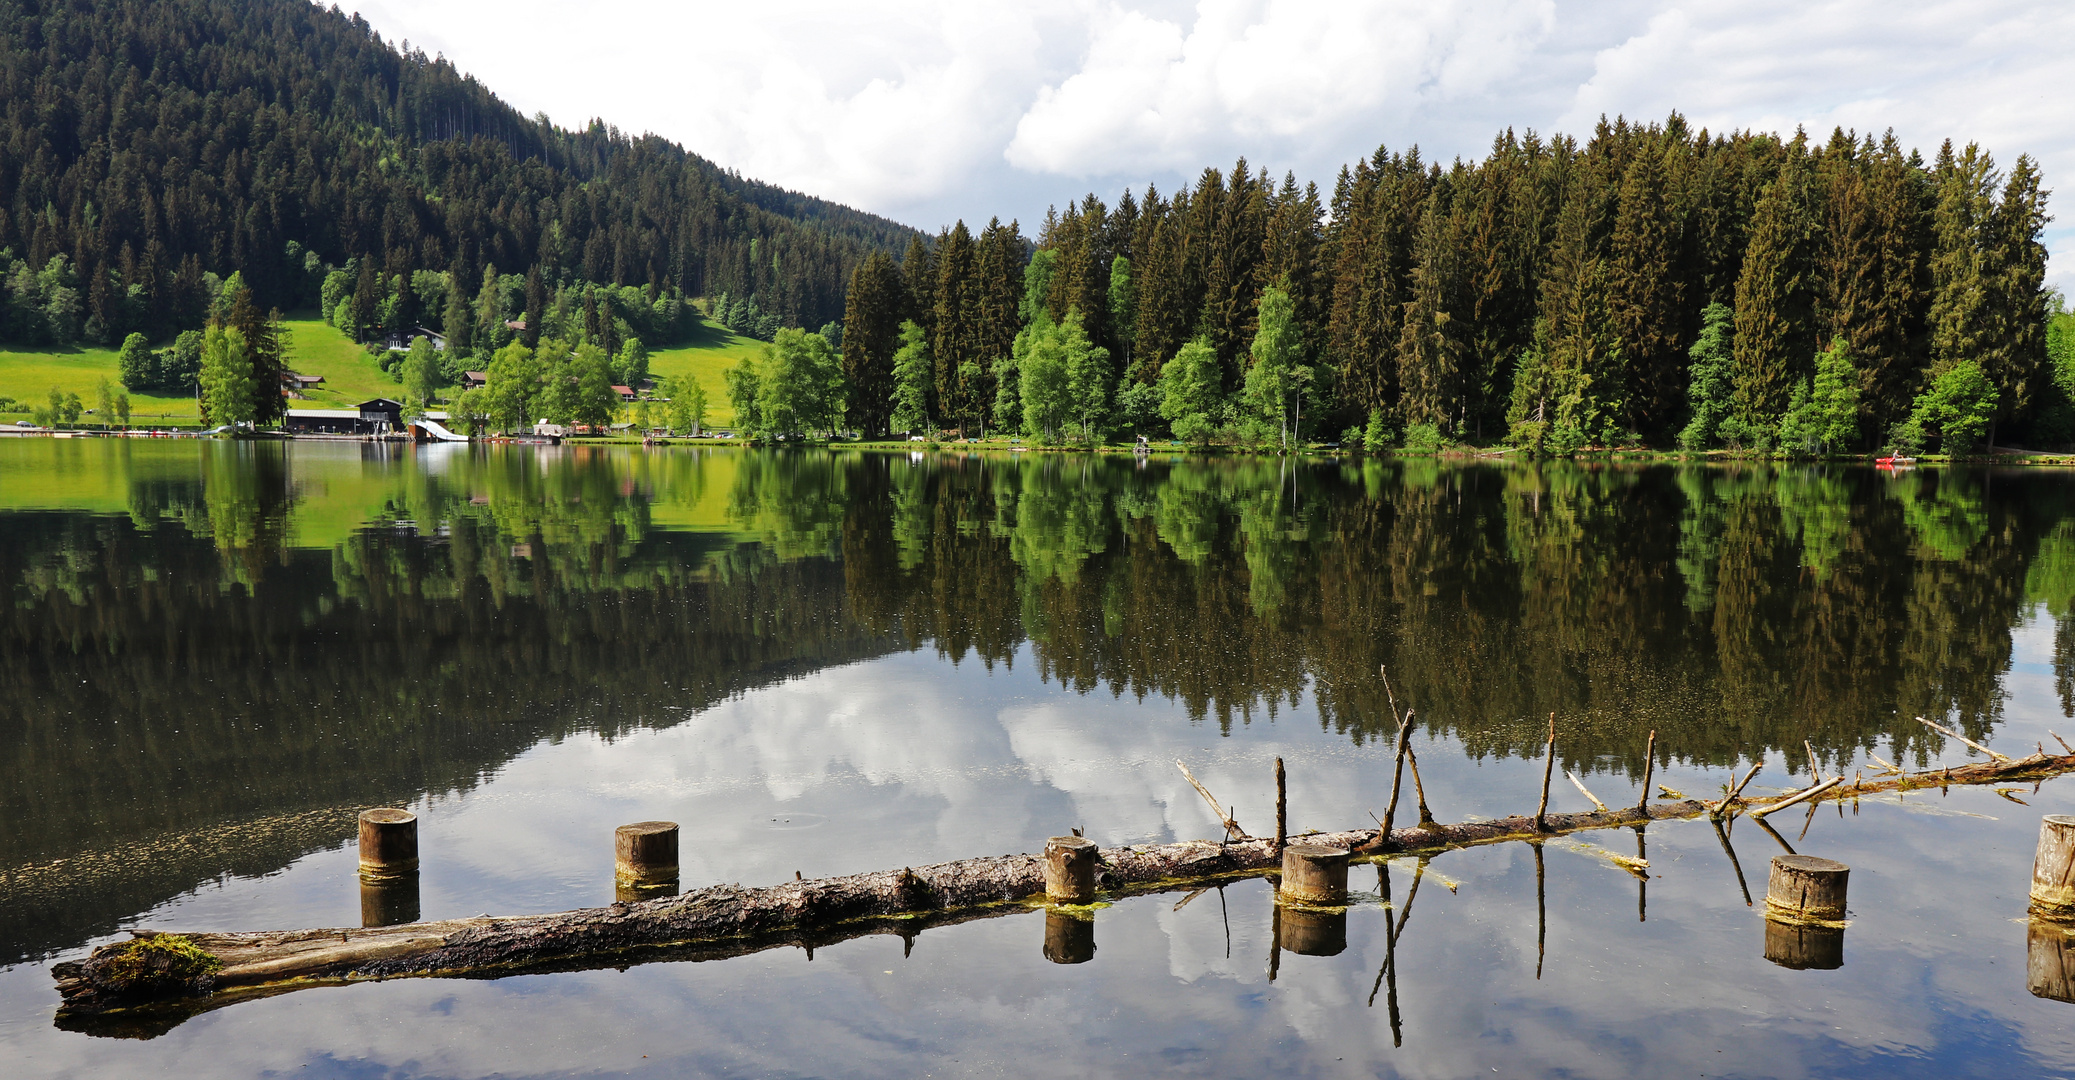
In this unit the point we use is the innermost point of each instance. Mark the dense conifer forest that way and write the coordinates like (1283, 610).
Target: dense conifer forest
(149, 149)
(1651, 285)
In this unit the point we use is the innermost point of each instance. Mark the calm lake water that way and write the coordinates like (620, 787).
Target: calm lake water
(216, 654)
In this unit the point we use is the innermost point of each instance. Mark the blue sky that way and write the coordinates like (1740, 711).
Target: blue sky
(932, 110)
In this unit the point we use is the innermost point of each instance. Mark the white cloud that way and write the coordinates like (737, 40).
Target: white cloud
(929, 110)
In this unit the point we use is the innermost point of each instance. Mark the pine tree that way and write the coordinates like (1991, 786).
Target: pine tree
(1710, 389)
(1774, 297)
(2015, 360)
(1430, 350)
(874, 309)
(1645, 294)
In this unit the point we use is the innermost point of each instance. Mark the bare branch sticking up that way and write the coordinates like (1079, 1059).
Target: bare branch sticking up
(1581, 787)
(1231, 824)
(1993, 756)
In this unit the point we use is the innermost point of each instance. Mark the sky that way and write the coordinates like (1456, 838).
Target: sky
(928, 111)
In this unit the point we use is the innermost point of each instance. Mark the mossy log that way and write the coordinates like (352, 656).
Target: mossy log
(731, 919)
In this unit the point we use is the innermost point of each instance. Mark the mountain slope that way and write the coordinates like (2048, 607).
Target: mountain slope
(153, 142)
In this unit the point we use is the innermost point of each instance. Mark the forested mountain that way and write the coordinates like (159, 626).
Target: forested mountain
(151, 148)
(1553, 291)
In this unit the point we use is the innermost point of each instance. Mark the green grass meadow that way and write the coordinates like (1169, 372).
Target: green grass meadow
(350, 375)
(706, 356)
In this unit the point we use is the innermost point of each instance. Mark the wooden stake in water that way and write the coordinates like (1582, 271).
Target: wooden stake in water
(1649, 767)
(388, 844)
(1282, 808)
(1548, 768)
(2053, 868)
(1070, 870)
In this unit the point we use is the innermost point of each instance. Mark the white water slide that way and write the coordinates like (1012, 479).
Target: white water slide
(435, 429)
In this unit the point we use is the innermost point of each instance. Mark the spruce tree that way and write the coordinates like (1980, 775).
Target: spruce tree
(1774, 313)
(1430, 349)
(874, 308)
(1711, 365)
(1645, 294)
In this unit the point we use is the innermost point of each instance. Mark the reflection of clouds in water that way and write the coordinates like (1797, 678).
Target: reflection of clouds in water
(1688, 991)
(912, 761)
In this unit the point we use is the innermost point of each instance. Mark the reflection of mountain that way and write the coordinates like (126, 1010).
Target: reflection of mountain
(172, 706)
(214, 682)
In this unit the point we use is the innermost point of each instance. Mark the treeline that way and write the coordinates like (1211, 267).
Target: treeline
(148, 146)
(1554, 293)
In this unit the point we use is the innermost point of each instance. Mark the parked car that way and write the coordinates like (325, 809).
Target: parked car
(918, 438)
(25, 423)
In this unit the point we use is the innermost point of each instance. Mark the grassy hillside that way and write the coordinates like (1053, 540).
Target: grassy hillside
(350, 375)
(706, 357)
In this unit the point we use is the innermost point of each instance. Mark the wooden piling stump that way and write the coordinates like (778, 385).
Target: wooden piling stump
(1311, 933)
(645, 855)
(1804, 946)
(1314, 874)
(1806, 887)
(1069, 938)
(1070, 870)
(388, 844)
(2050, 960)
(2053, 868)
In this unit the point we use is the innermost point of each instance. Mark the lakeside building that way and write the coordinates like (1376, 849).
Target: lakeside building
(377, 417)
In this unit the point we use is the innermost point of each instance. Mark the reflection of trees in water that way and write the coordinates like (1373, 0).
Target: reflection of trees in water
(1732, 609)
(188, 665)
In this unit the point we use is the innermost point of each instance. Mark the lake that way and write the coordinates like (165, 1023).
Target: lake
(824, 663)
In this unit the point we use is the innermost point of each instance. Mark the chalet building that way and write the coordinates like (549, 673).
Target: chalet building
(471, 380)
(625, 393)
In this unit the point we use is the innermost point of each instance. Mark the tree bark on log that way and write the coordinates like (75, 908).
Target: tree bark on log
(728, 919)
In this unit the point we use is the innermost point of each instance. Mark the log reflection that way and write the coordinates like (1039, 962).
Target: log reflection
(1069, 937)
(2050, 961)
(389, 903)
(1804, 946)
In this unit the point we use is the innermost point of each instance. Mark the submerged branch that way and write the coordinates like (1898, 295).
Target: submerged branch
(727, 919)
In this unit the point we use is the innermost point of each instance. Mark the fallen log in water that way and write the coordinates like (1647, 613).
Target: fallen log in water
(730, 919)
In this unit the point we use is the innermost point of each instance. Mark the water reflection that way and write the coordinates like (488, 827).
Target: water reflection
(215, 650)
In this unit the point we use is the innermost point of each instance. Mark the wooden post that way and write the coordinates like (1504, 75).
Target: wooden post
(1806, 887)
(2053, 868)
(2050, 961)
(1804, 946)
(1282, 809)
(1548, 768)
(1314, 874)
(1312, 933)
(1069, 938)
(1070, 870)
(389, 903)
(644, 856)
(1649, 768)
(388, 845)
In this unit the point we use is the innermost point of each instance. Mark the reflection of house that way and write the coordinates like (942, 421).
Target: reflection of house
(376, 417)
(470, 380)
(625, 393)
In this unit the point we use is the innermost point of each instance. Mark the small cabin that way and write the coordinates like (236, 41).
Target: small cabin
(471, 380)
(626, 393)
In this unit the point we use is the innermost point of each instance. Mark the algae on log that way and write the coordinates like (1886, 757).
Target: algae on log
(733, 919)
